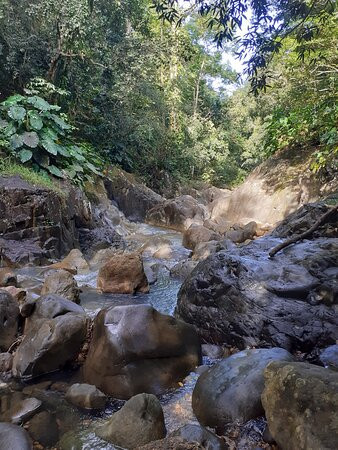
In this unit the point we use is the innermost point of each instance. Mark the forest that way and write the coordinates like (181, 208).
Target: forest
(147, 87)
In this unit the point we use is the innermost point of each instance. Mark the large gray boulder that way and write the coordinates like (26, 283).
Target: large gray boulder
(242, 298)
(61, 282)
(301, 404)
(13, 437)
(138, 422)
(86, 396)
(231, 390)
(136, 349)
(53, 336)
(9, 320)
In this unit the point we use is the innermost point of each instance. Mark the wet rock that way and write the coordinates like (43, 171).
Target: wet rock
(62, 283)
(20, 409)
(6, 362)
(329, 357)
(136, 349)
(74, 262)
(205, 249)
(99, 238)
(199, 434)
(123, 274)
(242, 298)
(43, 429)
(132, 197)
(86, 396)
(53, 336)
(197, 234)
(9, 316)
(231, 390)
(182, 269)
(13, 437)
(22, 252)
(300, 402)
(178, 213)
(7, 277)
(36, 388)
(17, 293)
(27, 308)
(212, 351)
(138, 422)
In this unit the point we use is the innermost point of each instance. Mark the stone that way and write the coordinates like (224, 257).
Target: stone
(43, 429)
(27, 308)
(101, 257)
(196, 234)
(9, 320)
(21, 252)
(301, 402)
(100, 238)
(86, 396)
(13, 437)
(138, 422)
(242, 298)
(197, 433)
(231, 390)
(182, 269)
(123, 274)
(21, 410)
(205, 249)
(178, 213)
(172, 443)
(8, 277)
(212, 351)
(53, 336)
(136, 349)
(74, 262)
(329, 357)
(17, 293)
(61, 282)
(220, 227)
(6, 362)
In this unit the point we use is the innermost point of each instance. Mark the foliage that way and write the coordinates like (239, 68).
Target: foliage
(35, 131)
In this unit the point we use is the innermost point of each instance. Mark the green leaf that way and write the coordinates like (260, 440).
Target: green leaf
(77, 153)
(10, 129)
(25, 155)
(60, 122)
(39, 103)
(16, 141)
(55, 171)
(76, 167)
(31, 139)
(17, 113)
(49, 133)
(63, 151)
(13, 100)
(35, 120)
(3, 123)
(92, 168)
(49, 145)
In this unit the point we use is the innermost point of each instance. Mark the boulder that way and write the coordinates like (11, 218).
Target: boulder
(99, 238)
(138, 422)
(178, 213)
(13, 437)
(6, 362)
(197, 433)
(123, 274)
(20, 409)
(19, 252)
(43, 429)
(74, 262)
(9, 320)
(54, 334)
(196, 234)
(86, 396)
(101, 257)
(7, 277)
(329, 357)
(220, 227)
(205, 249)
(182, 269)
(133, 198)
(243, 298)
(61, 282)
(301, 402)
(231, 390)
(136, 349)
(18, 294)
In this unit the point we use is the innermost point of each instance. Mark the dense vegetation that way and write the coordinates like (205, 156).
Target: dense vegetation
(85, 84)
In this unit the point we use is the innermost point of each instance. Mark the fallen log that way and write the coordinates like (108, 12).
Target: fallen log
(304, 235)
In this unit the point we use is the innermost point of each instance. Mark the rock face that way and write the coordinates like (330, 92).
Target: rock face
(243, 298)
(53, 336)
(62, 283)
(277, 187)
(9, 320)
(13, 437)
(138, 422)
(178, 213)
(136, 349)
(86, 396)
(301, 403)
(231, 390)
(123, 274)
(196, 234)
(132, 197)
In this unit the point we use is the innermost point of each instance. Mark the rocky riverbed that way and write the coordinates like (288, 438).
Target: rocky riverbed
(177, 334)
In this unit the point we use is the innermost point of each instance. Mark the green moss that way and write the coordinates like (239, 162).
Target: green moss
(10, 168)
